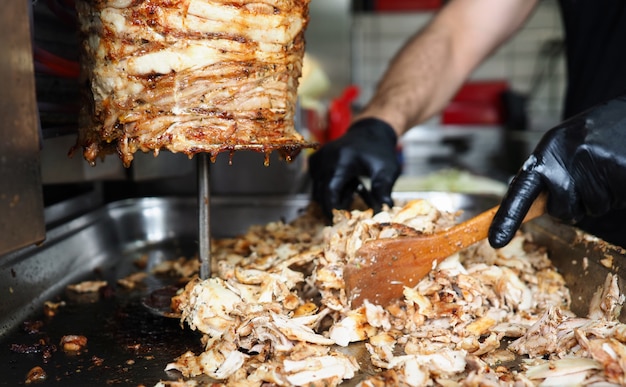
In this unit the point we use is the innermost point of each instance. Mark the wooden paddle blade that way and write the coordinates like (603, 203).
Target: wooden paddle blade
(383, 267)
(379, 273)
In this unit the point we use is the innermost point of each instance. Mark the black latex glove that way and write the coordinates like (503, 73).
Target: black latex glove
(582, 165)
(368, 148)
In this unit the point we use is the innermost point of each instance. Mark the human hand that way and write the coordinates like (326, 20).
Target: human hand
(368, 149)
(581, 163)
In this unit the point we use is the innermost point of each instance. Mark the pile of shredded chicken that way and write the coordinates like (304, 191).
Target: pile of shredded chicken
(190, 76)
(275, 313)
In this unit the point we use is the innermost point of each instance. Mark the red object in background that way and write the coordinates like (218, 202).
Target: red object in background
(407, 5)
(49, 63)
(316, 124)
(340, 113)
(476, 103)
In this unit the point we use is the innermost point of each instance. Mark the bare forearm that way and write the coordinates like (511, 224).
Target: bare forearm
(431, 67)
(410, 91)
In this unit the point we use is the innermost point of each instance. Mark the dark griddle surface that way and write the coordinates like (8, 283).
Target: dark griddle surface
(127, 345)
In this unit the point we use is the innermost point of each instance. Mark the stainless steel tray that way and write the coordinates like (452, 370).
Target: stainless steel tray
(134, 345)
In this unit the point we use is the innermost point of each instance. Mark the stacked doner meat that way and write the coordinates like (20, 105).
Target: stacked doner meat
(275, 313)
(190, 76)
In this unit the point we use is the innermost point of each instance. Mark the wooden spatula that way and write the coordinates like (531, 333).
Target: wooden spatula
(382, 267)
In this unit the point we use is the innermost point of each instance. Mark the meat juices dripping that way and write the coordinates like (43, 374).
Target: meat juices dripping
(190, 76)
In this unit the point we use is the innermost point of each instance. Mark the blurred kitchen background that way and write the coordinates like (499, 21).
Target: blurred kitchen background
(486, 131)
(494, 121)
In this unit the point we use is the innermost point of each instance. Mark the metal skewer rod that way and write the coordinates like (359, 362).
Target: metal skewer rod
(204, 205)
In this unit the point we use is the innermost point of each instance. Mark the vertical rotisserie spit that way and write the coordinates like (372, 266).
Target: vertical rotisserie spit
(190, 76)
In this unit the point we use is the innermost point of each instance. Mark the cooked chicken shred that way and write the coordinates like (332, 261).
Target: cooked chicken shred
(481, 317)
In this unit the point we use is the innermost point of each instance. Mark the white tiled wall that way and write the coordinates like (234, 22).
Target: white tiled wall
(377, 37)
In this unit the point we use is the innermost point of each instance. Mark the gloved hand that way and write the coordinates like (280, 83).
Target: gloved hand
(582, 165)
(368, 148)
